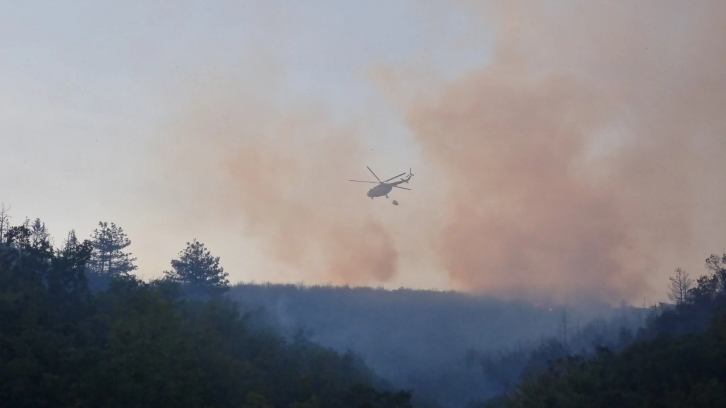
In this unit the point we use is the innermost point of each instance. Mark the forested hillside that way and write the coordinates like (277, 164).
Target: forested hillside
(138, 344)
(77, 328)
(448, 347)
(677, 360)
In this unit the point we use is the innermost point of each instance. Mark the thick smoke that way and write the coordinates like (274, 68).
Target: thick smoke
(587, 159)
(589, 156)
(276, 174)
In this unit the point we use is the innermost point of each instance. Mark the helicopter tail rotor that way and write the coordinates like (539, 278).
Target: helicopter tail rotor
(409, 176)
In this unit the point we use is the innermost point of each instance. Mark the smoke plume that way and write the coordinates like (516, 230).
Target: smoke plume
(585, 158)
(275, 173)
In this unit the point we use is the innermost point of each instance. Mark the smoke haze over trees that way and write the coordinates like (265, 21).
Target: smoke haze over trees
(443, 346)
(142, 344)
(560, 148)
(447, 349)
(570, 170)
(677, 360)
(556, 169)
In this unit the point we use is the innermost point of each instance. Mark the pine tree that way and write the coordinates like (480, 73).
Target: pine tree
(108, 257)
(39, 232)
(70, 243)
(197, 267)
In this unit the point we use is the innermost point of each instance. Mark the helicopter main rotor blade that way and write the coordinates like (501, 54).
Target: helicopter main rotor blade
(402, 188)
(394, 177)
(374, 174)
(360, 181)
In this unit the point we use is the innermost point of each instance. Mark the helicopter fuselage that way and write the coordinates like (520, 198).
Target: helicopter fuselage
(380, 190)
(383, 189)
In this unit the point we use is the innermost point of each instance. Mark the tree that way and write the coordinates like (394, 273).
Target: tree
(678, 288)
(4, 221)
(39, 232)
(70, 242)
(563, 327)
(197, 267)
(108, 257)
(717, 265)
(135, 344)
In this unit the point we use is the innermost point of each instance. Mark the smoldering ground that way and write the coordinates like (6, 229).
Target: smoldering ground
(585, 159)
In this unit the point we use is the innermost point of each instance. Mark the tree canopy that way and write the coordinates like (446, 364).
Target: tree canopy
(195, 266)
(677, 360)
(108, 256)
(141, 344)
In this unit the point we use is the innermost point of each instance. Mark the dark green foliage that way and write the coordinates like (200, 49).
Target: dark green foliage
(673, 363)
(198, 269)
(145, 359)
(661, 372)
(44, 307)
(108, 257)
(702, 302)
(143, 345)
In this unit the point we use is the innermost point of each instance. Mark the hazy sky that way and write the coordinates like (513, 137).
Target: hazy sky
(86, 86)
(558, 147)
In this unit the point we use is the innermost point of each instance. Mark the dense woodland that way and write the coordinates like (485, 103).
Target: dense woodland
(447, 347)
(677, 360)
(77, 328)
(141, 344)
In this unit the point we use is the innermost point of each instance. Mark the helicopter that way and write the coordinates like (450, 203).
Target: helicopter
(384, 187)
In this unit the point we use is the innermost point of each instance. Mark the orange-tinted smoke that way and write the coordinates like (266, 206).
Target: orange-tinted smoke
(280, 175)
(588, 159)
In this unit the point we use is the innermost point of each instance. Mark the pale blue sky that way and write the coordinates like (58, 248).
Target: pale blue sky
(84, 86)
